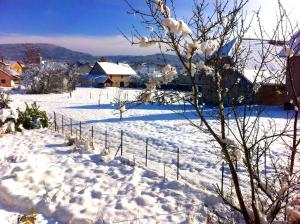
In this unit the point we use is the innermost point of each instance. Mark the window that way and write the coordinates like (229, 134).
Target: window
(2, 81)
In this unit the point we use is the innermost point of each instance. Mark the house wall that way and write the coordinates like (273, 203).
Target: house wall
(294, 67)
(242, 89)
(5, 80)
(270, 95)
(117, 79)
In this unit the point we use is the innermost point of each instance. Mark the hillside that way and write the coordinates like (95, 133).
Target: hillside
(48, 52)
(58, 53)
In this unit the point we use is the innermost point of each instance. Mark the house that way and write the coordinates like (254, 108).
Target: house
(8, 79)
(17, 66)
(262, 76)
(262, 84)
(293, 70)
(118, 73)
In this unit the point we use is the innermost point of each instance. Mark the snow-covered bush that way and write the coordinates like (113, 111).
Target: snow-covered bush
(4, 100)
(8, 118)
(32, 118)
(105, 155)
(70, 140)
(50, 78)
(84, 145)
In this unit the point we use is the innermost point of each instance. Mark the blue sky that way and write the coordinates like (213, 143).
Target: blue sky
(85, 25)
(64, 17)
(65, 22)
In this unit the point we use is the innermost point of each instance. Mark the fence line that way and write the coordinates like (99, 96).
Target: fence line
(140, 150)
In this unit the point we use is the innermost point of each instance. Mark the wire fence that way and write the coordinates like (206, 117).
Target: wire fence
(169, 160)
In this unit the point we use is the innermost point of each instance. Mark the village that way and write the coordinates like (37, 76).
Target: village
(198, 123)
(273, 87)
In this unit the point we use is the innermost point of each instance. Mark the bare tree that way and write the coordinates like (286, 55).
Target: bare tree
(246, 142)
(32, 55)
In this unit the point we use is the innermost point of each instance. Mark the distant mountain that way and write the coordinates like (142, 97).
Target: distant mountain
(48, 52)
(56, 53)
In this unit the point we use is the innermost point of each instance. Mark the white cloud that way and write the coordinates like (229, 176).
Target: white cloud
(114, 45)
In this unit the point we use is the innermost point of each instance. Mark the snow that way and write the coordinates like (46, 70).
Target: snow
(67, 186)
(116, 69)
(37, 163)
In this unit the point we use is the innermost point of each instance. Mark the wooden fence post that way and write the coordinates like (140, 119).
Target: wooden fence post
(79, 129)
(105, 139)
(93, 135)
(71, 126)
(164, 172)
(146, 151)
(222, 180)
(178, 163)
(121, 143)
(55, 124)
(62, 124)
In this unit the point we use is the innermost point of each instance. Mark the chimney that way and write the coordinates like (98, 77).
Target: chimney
(103, 59)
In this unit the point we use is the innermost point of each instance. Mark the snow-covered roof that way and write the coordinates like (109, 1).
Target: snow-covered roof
(270, 71)
(116, 69)
(294, 44)
(11, 73)
(263, 76)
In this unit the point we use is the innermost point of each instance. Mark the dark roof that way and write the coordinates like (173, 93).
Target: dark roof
(102, 79)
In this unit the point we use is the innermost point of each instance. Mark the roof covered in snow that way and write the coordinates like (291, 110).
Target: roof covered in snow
(116, 69)
(293, 44)
(256, 68)
(11, 73)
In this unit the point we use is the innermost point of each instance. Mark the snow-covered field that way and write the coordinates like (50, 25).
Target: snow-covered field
(82, 187)
(77, 188)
